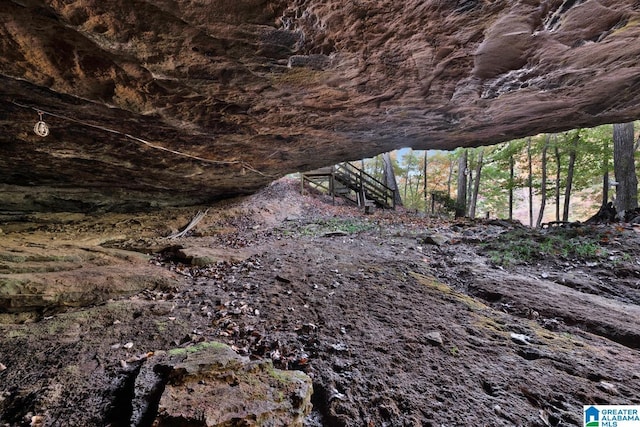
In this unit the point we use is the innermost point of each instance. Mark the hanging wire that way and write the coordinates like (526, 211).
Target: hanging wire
(43, 127)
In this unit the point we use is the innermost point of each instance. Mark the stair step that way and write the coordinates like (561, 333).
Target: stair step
(347, 178)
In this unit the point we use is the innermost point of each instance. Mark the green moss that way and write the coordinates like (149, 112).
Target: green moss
(281, 376)
(489, 323)
(525, 246)
(16, 333)
(629, 26)
(25, 257)
(349, 226)
(161, 326)
(324, 226)
(432, 283)
(203, 346)
(72, 370)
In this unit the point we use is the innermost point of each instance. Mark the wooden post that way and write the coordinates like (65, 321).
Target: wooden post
(361, 201)
(332, 188)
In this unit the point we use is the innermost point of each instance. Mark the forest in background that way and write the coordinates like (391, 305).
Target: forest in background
(570, 175)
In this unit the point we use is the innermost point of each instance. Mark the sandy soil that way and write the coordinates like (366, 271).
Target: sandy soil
(399, 319)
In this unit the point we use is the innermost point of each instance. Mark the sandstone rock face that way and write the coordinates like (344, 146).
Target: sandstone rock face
(44, 274)
(160, 102)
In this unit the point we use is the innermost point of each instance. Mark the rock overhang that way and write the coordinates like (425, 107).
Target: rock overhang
(161, 102)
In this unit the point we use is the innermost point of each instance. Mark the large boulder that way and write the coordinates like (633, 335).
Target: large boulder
(209, 384)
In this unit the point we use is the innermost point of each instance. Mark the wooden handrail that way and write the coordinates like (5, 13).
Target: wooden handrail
(363, 181)
(357, 180)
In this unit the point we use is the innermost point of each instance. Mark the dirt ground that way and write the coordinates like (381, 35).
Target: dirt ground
(399, 319)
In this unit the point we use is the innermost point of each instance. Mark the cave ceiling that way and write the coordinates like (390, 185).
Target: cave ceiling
(153, 102)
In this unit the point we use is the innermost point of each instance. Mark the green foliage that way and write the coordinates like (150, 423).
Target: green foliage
(593, 159)
(349, 225)
(524, 246)
(445, 202)
(374, 167)
(495, 180)
(411, 178)
(330, 225)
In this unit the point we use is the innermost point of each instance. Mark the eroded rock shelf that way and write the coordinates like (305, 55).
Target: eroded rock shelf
(158, 102)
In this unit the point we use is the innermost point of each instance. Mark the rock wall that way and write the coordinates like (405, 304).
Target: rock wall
(158, 102)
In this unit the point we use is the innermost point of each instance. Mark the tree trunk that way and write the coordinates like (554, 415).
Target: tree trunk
(530, 182)
(378, 169)
(605, 175)
(543, 185)
(511, 184)
(390, 178)
(624, 169)
(407, 183)
(461, 200)
(424, 189)
(416, 189)
(476, 185)
(469, 187)
(556, 152)
(570, 169)
(605, 188)
(407, 176)
(450, 178)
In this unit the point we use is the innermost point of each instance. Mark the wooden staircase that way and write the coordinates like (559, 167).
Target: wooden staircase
(352, 183)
